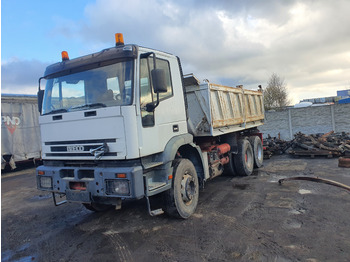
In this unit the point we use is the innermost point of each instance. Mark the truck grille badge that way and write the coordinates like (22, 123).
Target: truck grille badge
(98, 152)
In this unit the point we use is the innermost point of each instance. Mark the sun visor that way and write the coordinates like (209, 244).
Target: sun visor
(104, 57)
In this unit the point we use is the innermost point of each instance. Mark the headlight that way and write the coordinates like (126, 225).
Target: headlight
(117, 187)
(45, 182)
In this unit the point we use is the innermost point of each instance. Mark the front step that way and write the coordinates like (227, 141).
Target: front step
(155, 185)
(155, 212)
(151, 165)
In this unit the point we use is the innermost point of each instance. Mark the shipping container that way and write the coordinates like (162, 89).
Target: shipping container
(20, 133)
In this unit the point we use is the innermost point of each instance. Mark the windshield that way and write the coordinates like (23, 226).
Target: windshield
(105, 86)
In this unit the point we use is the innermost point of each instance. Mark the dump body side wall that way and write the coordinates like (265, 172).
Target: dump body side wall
(215, 110)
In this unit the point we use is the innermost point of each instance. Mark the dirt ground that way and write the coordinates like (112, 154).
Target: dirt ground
(237, 219)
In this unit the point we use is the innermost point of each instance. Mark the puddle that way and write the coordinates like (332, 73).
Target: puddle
(240, 186)
(41, 197)
(8, 254)
(293, 225)
(304, 191)
(275, 178)
(23, 247)
(26, 259)
(285, 165)
(282, 259)
(297, 212)
(292, 246)
(255, 172)
(197, 215)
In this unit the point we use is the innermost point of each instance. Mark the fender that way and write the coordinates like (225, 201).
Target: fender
(171, 148)
(163, 164)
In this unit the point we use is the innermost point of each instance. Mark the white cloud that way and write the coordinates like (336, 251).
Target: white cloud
(21, 76)
(231, 42)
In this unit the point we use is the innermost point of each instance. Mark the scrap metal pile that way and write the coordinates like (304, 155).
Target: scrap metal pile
(275, 146)
(330, 144)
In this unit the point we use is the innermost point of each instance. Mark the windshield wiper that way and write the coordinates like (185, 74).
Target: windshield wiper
(56, 111)
(94, 105)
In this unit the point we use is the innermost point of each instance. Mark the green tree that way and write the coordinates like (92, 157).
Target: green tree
(275, 94)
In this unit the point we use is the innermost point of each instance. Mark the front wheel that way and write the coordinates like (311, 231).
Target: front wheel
(182, 199)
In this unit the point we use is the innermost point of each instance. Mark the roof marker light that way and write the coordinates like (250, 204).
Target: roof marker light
(65, 56)
(119, 39)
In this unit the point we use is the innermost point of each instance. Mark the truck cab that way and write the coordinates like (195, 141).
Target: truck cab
(103, 123)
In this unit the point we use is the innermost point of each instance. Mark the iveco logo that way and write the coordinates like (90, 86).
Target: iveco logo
(75, 148)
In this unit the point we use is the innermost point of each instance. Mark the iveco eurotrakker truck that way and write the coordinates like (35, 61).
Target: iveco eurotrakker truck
(125, 123)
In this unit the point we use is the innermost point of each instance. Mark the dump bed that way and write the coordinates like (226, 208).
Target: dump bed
(216, 110)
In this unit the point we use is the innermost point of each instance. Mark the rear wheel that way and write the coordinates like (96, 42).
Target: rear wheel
(244, 159)
(96, 207)
(257, 146)
(182, 199)
(229, 168)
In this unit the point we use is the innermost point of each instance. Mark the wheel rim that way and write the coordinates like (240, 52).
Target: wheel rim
(188, 188)
(260, 152)
(248, 159)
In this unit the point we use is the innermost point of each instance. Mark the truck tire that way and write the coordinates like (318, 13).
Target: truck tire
(244, 159)
(229, 168)
(96, 207)
(257, 146)
(182, 199)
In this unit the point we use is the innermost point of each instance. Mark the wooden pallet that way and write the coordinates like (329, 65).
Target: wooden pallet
(314, 153)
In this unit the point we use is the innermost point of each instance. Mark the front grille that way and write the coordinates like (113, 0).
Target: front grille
(79, 154)
(67, 148)
(72, 142)
(80, 148)
(66, 173)
(85, 173)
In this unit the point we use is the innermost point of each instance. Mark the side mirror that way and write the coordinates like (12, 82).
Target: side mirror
(40, 99)
(158, 80)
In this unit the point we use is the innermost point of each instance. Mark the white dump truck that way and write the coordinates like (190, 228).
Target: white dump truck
(20, 133)
(125, 123)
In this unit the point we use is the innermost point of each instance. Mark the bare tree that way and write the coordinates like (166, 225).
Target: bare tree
(275, 94)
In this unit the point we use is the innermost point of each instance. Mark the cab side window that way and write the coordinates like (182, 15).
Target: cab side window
(145, 93)
(164, 64)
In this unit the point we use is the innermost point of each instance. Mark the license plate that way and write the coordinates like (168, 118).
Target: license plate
(78, 196)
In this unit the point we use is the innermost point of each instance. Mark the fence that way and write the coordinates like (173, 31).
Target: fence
(308, 120)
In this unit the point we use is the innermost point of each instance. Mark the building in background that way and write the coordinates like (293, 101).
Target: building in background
(343, 97)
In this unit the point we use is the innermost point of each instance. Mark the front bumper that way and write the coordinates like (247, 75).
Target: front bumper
(88, 184)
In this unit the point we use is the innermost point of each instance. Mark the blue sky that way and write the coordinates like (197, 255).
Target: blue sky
(29, 28)
(228, 42)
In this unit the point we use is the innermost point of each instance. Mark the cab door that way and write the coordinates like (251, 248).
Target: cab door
(169, 118)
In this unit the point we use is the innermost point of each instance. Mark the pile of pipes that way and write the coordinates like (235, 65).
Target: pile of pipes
(330, 144)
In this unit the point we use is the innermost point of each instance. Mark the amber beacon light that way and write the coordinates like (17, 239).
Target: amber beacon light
(119, 39)
(65, 56)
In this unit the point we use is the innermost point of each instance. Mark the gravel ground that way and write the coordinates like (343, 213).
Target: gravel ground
(237, 219)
